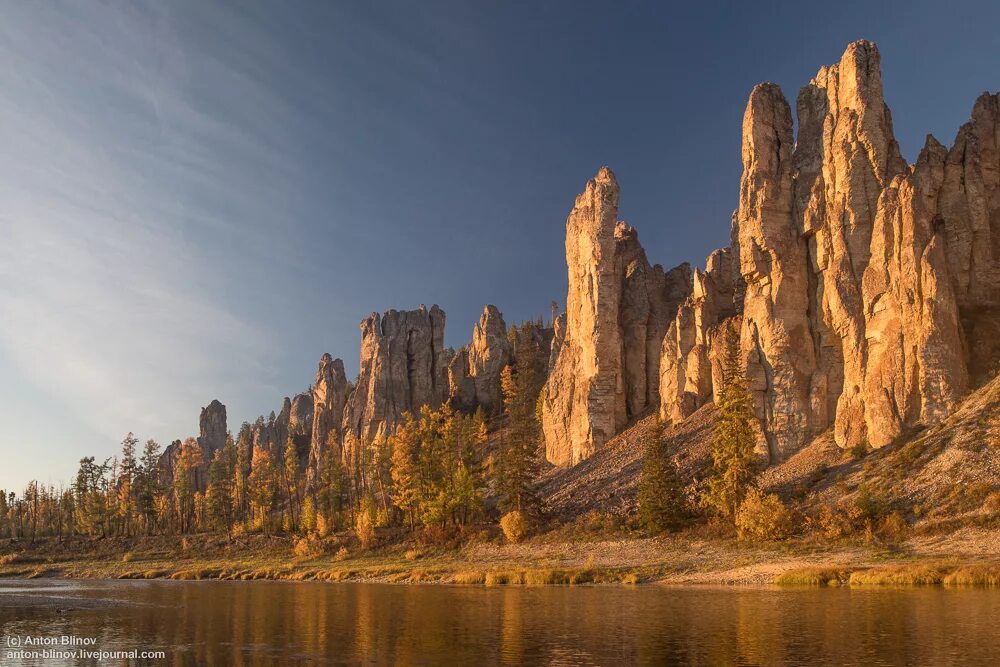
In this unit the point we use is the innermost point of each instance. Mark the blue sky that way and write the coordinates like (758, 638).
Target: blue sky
(199, 199)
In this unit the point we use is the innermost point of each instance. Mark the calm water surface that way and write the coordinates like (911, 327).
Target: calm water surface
(220, 623)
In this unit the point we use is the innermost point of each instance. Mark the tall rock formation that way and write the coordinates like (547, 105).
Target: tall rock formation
(403, 367)
(915, 370)
(212, 429)
(868, 291)
(858, 157)
(329, 398)
(606, 354)
(474, 372)
(686, 366)
(969, 218)
(581, 409)
(777, 340)
(300, 426)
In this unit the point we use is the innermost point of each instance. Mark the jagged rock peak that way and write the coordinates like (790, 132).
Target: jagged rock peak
(474, 371)
(403, 367)
(606, 354)
(212, 429)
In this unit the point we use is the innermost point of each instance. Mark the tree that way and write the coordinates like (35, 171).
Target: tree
(149, 490)
(128, 470)
(185, 471)
(662, 505)
(90, 488)
(405, 472)
(261, 487)
(290, 477)
(734, 467)
(333, 483)
(219, 496)
(518, 464)
(241, 471)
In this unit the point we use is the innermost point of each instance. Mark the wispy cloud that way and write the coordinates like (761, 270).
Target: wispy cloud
(116, 256)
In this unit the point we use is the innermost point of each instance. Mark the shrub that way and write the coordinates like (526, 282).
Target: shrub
(309, 546)
(364, 528)
(860, 450)
(470, 578)
(894, 527)
(341, 554)
(8, 559)
(128, 557)
(515, 526)
(763, 517)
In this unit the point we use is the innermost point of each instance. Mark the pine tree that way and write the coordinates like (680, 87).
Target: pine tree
(149, 487)
(128, 471)
(219, 496)
(333, 486)
(518, 464)
(662, 505)
(733, 461)
(290, 477)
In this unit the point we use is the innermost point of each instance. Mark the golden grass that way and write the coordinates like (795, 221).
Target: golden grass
(545, 577)
(974, 575)
(469, 578)
(813, 576)
(899, 575)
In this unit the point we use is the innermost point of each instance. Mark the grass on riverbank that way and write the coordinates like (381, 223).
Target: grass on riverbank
(971, 560)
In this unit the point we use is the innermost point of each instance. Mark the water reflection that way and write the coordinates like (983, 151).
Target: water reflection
(262, 623)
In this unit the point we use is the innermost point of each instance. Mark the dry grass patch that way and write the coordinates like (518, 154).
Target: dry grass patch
(900, 575)
(469, 578)
(813, 576)
(974, 575)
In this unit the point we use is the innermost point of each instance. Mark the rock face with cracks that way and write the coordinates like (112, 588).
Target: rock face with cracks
(474, 371)
(606, 354)
(403, 368)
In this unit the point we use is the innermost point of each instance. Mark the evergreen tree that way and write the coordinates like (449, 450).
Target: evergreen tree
(518, 463)
(219, 496)
(290, 477)
(662, 505)
(149, 487)
(128, 470)
(733, 461)
(333, 483)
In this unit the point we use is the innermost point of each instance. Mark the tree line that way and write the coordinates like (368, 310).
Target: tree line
(438, 469)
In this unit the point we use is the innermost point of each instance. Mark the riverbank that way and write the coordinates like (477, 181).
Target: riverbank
(968, 555)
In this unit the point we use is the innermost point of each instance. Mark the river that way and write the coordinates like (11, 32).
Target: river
(260, 622)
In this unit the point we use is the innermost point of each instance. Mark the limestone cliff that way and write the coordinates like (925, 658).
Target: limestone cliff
(474, 371)
(606, 354)
(868, 288)
(329, 398)
(403, 367)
